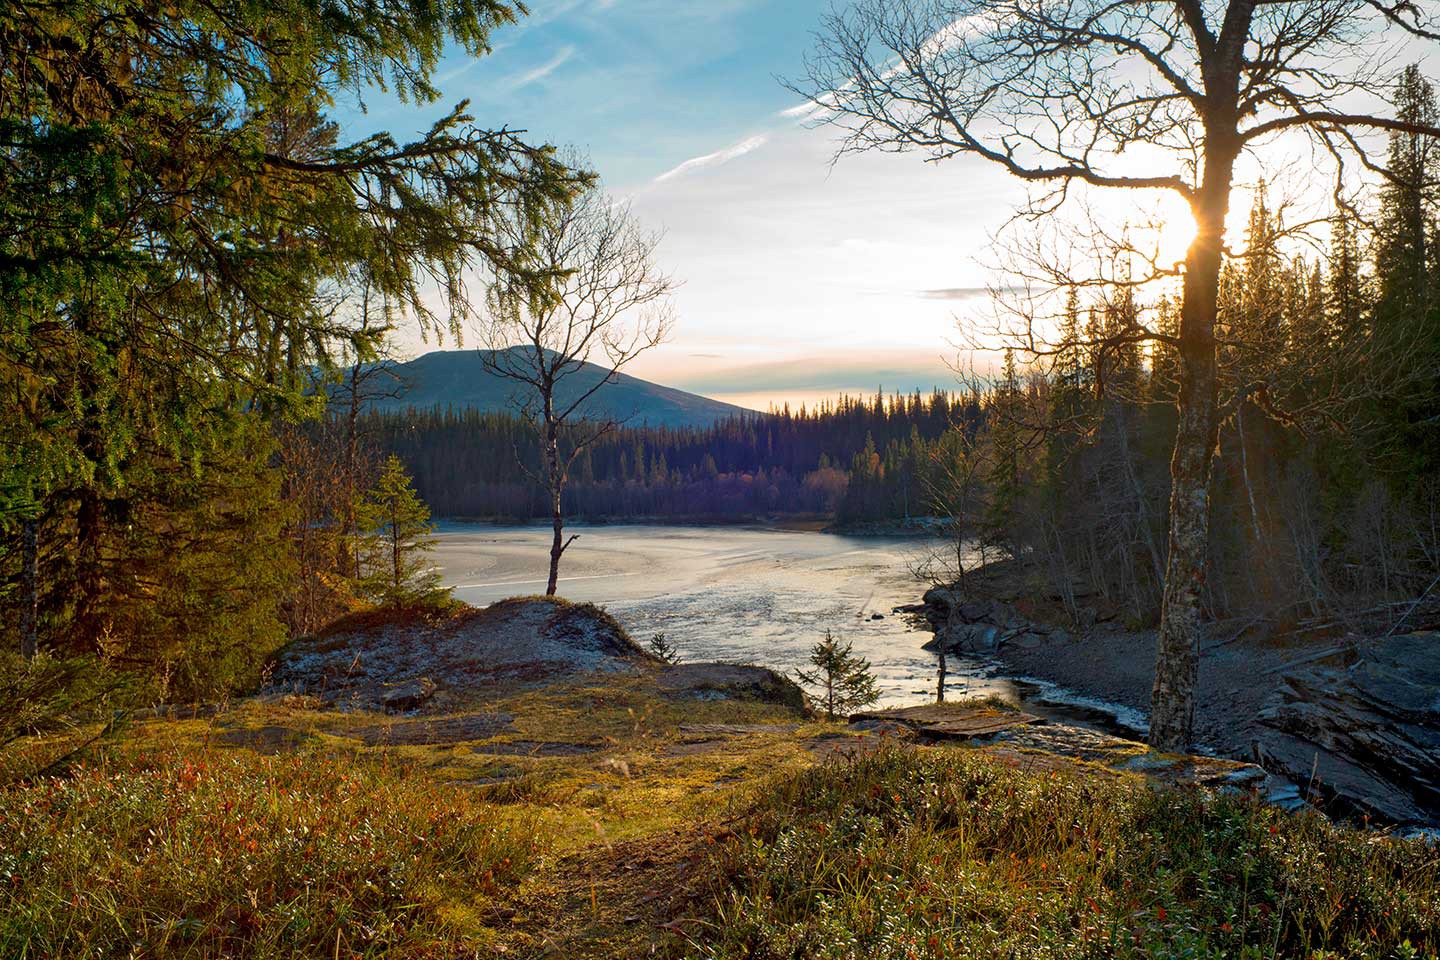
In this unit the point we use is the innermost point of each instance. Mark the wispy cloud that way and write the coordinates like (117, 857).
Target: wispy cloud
(713, 159)
(527, 77)
(954, 293)
(965, 293)
(820, 104)
(837, 373)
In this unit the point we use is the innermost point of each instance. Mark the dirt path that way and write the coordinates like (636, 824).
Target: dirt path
(628, 899)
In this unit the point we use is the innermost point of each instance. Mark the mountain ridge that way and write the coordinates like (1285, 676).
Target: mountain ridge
(459, 379)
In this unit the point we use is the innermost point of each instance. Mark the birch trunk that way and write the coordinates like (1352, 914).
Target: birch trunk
(554, 475)
(1177, 659)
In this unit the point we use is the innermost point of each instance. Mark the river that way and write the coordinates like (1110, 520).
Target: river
(750, 594)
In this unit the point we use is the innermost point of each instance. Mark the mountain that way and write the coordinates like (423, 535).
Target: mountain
(459, 379)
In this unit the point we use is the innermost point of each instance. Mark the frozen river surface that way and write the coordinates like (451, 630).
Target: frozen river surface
(751, 595)
(746, 594)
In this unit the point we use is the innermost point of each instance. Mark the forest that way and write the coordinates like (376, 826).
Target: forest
(468, 464)
(1329, 450)
(243, 713)
(187, 236)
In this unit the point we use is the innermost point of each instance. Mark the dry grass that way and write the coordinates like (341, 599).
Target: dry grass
(226, 853)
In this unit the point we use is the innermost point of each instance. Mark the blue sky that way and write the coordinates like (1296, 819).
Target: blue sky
(640, 85)
(800, 280)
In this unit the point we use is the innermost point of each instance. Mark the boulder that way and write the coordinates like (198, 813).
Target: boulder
(976, 626)
(730, 681)
(966, 638)
(1362, 728)
(408, 695)
(1025, 640)
(401, 660)
(941, 598)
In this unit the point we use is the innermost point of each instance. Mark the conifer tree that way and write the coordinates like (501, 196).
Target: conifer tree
(844, 680)
(394, 541)
(1406, 327)
(1006, 488)
(1346, 294)
(176, 213)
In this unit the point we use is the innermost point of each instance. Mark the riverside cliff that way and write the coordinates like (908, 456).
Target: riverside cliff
(1354, 721)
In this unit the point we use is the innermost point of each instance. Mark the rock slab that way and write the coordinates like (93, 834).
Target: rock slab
(976, 626)
(1363, 728)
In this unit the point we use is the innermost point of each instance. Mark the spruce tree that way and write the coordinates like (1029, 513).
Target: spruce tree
(1005, 482)
(177, 211)
(1406, 326)
(843, 679)
(394, 541)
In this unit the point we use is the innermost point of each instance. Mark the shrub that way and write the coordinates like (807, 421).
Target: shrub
(844, 680)
(897, 855)
(46, 695)
(233, 854)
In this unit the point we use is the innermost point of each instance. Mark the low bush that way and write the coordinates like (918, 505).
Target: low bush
(897, 855)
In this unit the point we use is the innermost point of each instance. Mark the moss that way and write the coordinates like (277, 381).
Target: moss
(569, 620)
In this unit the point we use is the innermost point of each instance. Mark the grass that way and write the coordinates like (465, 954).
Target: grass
(173, 842)
(181, 841)
(189, 854)
(951, 854)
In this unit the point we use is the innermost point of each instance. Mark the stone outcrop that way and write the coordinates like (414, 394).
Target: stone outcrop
(412, 663)
(730, 681)
(978, 626)
(1362, 727)
(1036, 744)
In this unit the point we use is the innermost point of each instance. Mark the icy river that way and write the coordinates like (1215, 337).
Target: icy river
(744, 594)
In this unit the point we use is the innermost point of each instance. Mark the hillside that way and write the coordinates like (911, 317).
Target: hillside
(555, 791)
(459, 379)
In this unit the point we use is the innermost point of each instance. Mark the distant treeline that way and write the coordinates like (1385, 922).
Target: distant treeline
(468, 463)
(1326, 501)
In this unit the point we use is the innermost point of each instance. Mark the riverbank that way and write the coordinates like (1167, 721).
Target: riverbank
(1356, 723)
(813, 522)
(1115, 665)
(524, 780)
(918, 527)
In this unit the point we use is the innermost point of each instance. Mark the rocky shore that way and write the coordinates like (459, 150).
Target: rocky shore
(1356, 724)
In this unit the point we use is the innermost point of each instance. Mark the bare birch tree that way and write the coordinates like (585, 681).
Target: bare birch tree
(1128, 95)
(605, 302)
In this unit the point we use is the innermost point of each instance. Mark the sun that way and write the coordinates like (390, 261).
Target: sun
(1156, 225)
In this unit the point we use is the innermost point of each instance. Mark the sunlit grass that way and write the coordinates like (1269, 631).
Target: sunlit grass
(175, 841)
(196, 854)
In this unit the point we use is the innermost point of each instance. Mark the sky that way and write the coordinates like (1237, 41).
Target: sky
(801, 278)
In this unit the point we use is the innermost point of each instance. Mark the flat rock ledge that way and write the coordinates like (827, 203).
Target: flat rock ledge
(1361, 725)
(1033, 743)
